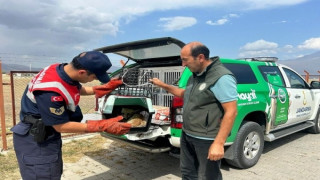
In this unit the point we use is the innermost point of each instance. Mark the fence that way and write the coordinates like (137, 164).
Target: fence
(310, 78)
(14, 85)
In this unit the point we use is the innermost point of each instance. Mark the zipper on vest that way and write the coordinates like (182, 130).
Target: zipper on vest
(207, 122)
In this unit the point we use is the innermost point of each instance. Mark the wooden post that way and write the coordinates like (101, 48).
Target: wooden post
(3, 120)
(13, 105)
(307, 75)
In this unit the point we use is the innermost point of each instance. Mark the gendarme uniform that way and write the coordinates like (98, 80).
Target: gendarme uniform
(51, 97)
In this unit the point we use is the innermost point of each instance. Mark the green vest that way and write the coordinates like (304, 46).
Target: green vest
(202, 112)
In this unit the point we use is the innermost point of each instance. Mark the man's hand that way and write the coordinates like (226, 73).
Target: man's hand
(171, 89)
(107, 88)
(109, 125)
(157, 82)
(216, 152)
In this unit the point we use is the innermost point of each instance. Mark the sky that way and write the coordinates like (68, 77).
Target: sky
(38, 33)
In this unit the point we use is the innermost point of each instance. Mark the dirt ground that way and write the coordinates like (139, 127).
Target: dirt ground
(93, 157)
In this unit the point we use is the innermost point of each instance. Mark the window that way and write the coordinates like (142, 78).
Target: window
(295, 80)
(243, 73)
(272, 73)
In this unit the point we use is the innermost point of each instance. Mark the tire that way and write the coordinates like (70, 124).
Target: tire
(248, 146)
(316, 128)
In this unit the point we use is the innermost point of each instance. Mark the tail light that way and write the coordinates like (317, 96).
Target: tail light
(176, 112)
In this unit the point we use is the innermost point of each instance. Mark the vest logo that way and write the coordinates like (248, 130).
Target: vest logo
(41, 75)
(202, 86)
(57, 111)
(56, 98)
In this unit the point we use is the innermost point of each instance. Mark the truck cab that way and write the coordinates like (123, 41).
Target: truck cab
(273, 101)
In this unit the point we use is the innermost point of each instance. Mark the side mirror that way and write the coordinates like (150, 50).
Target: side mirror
(315, 84)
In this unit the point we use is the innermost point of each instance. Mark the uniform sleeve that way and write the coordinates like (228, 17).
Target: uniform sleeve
(76, 116)
(52, 108)
(225, 89)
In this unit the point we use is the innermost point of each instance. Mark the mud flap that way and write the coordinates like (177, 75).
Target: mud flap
(228, 152)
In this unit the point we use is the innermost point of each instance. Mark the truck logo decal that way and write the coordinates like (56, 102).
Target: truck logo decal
(303, 109)
(248, 96)
(282, 96)
(304, 98)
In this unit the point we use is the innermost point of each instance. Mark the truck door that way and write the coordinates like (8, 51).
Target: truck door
(301, 100)
(278, 98)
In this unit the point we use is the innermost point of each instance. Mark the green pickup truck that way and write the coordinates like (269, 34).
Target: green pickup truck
(273, 100)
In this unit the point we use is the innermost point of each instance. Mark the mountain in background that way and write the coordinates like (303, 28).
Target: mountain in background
(6, 68)
(309, 63)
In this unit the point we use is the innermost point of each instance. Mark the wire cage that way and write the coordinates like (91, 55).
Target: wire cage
(137, 97)
(136, 83)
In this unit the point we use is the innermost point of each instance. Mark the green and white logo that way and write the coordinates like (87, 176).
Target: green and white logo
(248, 96)
(282, 95)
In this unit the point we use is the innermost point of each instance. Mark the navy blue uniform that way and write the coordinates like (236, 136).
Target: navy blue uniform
(43, 160)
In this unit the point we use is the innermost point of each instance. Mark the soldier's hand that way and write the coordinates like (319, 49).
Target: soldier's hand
(107, 88)
(111, 125)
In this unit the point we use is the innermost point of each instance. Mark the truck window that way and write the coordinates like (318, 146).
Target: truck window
(243, 73)
(295, 80)
(272, 71)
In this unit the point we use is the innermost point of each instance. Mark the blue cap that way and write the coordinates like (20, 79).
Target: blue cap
(97, 63)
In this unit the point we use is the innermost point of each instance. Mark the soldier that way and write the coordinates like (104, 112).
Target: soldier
(49, 107)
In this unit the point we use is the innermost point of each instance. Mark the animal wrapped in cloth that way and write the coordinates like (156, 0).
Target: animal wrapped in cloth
(134, 117)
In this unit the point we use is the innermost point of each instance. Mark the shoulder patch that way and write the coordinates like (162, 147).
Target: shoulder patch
(57, 111)
(56, 98)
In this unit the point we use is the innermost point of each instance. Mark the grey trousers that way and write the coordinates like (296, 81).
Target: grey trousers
(193, 160)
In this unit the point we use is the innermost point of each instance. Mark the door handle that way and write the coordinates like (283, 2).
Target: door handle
(273, 96)
(297, 96)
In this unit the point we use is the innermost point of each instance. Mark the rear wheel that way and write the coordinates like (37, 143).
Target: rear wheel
(316, 128)
(248, 146)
